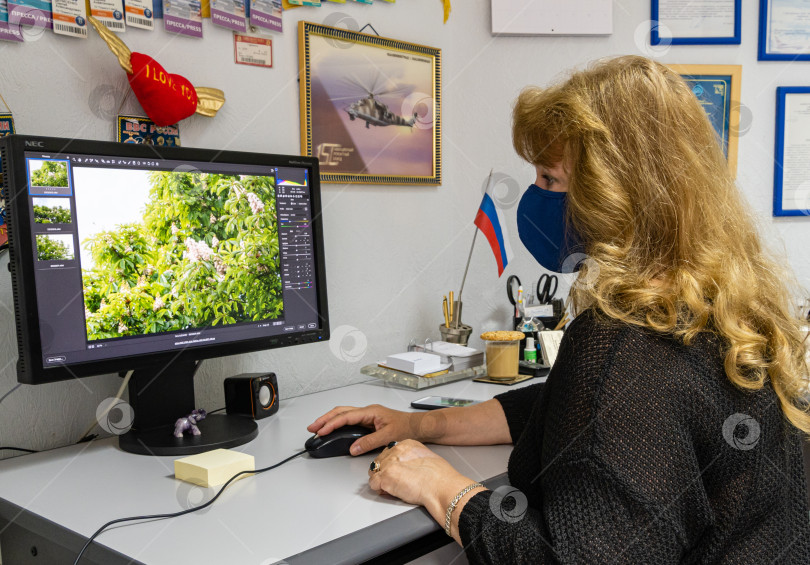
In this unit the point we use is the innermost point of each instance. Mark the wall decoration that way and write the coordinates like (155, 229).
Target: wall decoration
(110, 13)
(183, 16)
(252, 50)
(696, 22)
(137, 129)
(265, 14)
(35, 13)
(784, 30)
(70, 18)
(229, 14)
(8, 32)
(140, 14)
(717, 87)
(791, 184)
(552, 17)
(6, 128)
(166, 98)
(370, 107)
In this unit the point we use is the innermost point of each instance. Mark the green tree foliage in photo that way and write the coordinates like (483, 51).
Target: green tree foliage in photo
(51, 215)
(206, 254)
(51, 173)
(50, 249)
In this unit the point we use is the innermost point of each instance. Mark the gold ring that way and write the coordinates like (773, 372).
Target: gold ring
(375, 466)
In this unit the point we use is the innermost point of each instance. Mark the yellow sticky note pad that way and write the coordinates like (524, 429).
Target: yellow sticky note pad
(213, 468)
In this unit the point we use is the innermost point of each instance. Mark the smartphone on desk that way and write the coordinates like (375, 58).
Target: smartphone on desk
(436, 402)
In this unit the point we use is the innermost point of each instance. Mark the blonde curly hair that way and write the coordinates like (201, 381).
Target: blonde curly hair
(672, 245)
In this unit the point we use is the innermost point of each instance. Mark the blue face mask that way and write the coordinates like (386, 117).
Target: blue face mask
(542, 227)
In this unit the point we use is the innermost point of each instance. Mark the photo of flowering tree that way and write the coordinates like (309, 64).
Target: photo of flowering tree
(52, 210)
(54, 247)
(202, 252)
(48, 173)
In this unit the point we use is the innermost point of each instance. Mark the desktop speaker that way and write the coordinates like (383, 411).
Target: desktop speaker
(252, 394)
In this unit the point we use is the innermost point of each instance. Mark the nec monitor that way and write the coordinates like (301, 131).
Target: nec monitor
(134, 257)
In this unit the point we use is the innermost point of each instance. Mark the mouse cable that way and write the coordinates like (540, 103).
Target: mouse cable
(181, 512)
(19, 449)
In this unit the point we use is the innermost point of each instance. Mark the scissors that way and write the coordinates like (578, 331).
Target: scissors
(546, 288)
(512, 285)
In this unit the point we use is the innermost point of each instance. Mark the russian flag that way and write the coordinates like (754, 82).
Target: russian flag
(490, 221)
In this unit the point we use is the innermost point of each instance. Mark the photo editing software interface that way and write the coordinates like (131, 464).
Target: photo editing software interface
(139, 256)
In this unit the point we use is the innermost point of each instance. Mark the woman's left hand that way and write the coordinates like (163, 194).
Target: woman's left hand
(412, 472)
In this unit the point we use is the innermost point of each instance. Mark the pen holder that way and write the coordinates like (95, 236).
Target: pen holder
(459, 335)
(458, 332)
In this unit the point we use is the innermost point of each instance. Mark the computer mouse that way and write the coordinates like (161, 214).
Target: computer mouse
(337, 443)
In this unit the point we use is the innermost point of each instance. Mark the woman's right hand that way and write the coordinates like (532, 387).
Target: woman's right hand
(388, 425)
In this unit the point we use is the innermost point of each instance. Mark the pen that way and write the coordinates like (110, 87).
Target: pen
(519, 304)
(446, 318)
(451, 305)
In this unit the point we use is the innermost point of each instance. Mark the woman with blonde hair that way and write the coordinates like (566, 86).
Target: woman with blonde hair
(670, 428)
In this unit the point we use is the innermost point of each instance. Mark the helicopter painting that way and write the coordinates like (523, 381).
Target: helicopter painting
(371, 110)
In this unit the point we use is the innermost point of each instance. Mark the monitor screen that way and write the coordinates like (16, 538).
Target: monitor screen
(134, 252)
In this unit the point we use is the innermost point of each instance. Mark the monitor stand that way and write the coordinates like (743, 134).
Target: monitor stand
(159, 396)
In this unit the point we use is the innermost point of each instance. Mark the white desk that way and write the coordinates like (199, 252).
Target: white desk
(306, 511)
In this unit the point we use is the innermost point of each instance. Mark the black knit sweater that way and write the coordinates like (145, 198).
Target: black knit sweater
(639, 450)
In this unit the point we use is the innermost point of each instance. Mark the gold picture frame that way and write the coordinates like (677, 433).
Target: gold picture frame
(370, 107)
(718, 90)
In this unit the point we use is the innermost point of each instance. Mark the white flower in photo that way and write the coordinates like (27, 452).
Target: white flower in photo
(158, 304)
(212, 219)
(256, 205)
(196, 250)
(121, 327)
(174, 229)
(220, 266)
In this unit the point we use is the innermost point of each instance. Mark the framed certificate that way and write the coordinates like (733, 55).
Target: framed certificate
(784, 30)
(717, 88)
(791, 177)
(696, 22)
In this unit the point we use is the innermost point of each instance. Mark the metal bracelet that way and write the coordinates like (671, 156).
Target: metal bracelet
(453, 504)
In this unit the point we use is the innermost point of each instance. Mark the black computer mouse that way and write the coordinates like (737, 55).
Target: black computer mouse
(337, 443)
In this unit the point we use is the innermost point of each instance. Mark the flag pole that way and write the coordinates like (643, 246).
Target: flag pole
(467, 268)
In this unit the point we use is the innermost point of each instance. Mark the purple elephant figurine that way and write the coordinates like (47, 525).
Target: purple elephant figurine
(189, 423)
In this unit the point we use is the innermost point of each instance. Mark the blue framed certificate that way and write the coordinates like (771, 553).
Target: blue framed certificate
(791, 176)
(717, 88)
(784, 30)
(696, 22)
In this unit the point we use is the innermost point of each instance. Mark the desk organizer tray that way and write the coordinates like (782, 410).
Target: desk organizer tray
(415, 382)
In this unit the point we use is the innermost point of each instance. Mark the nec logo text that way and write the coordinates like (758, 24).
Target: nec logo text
(34, 144)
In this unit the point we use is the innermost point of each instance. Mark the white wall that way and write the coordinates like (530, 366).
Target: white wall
(392, 252)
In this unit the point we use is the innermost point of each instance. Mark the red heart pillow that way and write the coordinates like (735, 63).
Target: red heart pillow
(165, 98)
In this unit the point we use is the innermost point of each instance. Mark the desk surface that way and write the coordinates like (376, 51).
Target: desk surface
(287, 512)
